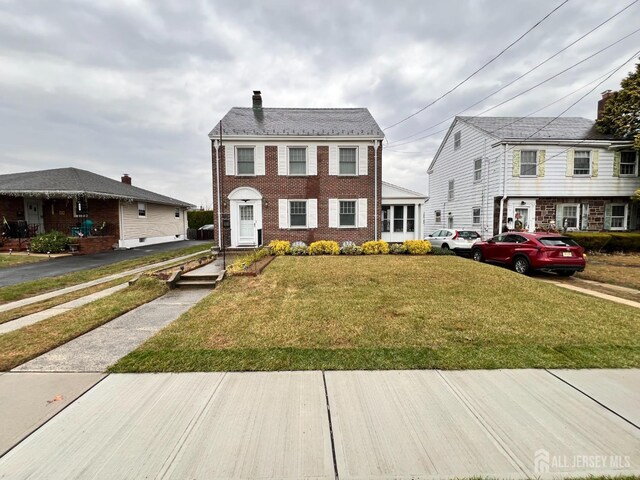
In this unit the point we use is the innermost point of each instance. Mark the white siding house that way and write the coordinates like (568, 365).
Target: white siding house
(402, 212)
(531, 173)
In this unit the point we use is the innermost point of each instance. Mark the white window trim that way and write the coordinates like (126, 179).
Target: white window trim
(306, 161)
(630, 175)
(436, 214)
(145, 210)
(479, 215)
(357, 148)
(581, 175)
(306, 216)
(253, 147)
(176, 213)
(476, 170)
(451, 192)
(457, 134)
(578, 216)
(355, 217)
(75, 211)
(626, 216)
(522, 164)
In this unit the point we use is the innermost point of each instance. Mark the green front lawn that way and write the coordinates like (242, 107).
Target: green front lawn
(391, 312)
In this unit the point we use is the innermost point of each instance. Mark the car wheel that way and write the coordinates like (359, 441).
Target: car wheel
(565, 274)
(444, 246)
(477, 255)
(521, 265)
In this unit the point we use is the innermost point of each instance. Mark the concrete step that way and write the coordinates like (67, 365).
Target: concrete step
(202, 277)
(196, 284)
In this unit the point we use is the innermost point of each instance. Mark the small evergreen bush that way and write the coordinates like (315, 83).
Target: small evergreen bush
(375, 247)
(324, 247)
(52, 242)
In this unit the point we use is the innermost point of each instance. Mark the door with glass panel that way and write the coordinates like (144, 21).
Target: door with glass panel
(247, 225)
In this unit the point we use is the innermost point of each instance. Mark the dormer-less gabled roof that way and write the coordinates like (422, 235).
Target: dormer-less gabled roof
(390, 191)
(311, 122)
(73, 183)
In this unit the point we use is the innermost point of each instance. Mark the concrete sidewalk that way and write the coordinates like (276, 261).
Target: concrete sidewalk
(96, 350)
(347, 425)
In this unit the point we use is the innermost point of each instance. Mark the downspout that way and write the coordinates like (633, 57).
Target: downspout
(504, 188)
(375, 194)
(216, 145)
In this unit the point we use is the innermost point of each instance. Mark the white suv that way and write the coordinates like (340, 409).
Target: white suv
(460, 241)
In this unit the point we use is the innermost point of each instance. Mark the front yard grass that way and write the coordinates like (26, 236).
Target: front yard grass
(28, 289)
(623, 270)
(22, 345)
(391, 312)
(14, 260)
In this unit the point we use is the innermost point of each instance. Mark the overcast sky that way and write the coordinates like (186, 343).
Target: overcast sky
(135, 86)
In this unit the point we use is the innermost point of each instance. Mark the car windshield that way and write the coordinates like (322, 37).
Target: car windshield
(468, 234)
(558, 242)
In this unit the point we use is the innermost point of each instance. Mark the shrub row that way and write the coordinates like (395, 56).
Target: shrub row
(329, 247)
(607, 241)
(242, 263)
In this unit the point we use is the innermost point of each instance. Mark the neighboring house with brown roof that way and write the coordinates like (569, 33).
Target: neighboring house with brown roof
(497, 173)
(87, 205)
(297, 174)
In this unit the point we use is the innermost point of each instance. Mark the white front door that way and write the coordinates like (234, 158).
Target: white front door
(247, 231)
(521, 220)
(33, 215)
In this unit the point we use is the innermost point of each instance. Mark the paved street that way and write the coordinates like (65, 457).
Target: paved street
(61, 266)
(349, 425)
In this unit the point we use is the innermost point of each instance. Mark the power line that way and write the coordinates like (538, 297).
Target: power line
(480, 69)
(524, 91)
(528, 71)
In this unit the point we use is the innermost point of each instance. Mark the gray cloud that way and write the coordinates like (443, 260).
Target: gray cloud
(135, 86)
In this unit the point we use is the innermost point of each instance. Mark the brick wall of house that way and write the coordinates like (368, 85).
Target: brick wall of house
(58, 215)
(12, 208)
(89, 245)
(546, 209)
(322, 187)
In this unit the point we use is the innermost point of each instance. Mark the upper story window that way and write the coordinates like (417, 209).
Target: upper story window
(629, 163)
(477, 170)
(347, 213)
(457, 140)
(348, 160)
(142, 209)
(298, 214)
(528, 163)
(246, 161)
(297, 161)
(582, 162)
(451, 189)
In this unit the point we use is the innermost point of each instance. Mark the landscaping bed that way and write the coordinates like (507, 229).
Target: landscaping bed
(391, 312)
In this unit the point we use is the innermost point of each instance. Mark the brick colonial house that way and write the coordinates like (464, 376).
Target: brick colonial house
(100, 211)
(296, 174)
(492, 174)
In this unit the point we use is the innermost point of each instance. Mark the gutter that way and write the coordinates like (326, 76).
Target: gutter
(504, 188)
(216, 145)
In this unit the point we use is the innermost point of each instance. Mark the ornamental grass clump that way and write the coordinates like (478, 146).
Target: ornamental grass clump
(299, 248)
(280, 247)
(350, 248)
(324, 247)
(397, 249)
(417, 247)
(375, 247)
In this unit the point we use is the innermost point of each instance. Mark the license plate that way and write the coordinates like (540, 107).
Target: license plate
(567, 254)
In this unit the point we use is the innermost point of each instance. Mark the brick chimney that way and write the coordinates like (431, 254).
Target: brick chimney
(126, 179)
(257, 100)
(601, 103)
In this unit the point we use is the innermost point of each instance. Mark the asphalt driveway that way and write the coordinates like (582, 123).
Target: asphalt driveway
(61, 266)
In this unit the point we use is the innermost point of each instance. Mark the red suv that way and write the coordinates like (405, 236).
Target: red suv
(532, 251)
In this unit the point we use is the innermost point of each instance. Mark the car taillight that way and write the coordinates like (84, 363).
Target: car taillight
(455, 235)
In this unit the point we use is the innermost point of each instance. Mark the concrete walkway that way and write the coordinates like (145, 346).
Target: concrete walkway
(593, 293)
(63, 291)
(52, 312)
(96, 350)
(346, 425)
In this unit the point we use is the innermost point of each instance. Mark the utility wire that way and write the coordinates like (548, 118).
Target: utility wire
(525, 91)
(528, 71)
(478, 70)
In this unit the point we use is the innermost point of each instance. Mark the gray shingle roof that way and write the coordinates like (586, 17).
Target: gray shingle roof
(73, 182)
(298, 121)
(517, 128)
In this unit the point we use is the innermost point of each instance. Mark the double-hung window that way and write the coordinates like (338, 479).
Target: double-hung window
(411, 218)
(177, 212)
(528, 163)
(298, 213)
(398, 218)
(438, 218)
(582, 162)
(142, 209)
(451, 189)
(477, 170)
(246, 162)
(297, 161)
(457, 140)
(570, 216)
(386, 218)
(476, 216)
(348, 160)
(618, 216)
(628, 163)
(347, 213)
